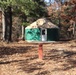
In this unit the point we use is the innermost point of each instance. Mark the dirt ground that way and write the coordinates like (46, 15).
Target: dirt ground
(21, 58)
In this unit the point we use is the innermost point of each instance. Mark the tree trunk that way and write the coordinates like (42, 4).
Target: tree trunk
(74, 30)
(3, 25)
(22, 32)
(8, 22)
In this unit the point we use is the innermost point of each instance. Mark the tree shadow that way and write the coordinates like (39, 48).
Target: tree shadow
(44, 72)
(72, 46)
(13, 50)
(35, 68)
(67, 66)
(9, 62)
(31, 67)
(61, 56)
(22, 61)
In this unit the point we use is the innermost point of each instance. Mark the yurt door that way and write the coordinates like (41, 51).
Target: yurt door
(44, 34)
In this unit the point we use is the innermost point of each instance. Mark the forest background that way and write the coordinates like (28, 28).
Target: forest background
(20, 13)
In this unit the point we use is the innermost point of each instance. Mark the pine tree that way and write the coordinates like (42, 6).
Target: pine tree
(24, 8)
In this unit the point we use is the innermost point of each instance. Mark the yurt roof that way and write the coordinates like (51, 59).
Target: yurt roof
(41, 23)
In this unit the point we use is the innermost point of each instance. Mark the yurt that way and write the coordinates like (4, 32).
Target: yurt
(42, 30)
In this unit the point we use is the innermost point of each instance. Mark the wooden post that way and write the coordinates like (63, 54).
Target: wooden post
(40, 51)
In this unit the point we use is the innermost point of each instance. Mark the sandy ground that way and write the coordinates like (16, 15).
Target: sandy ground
(21, 58)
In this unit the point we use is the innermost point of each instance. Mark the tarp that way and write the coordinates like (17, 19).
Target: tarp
(32, 34)
(44, 23)
(41, 23)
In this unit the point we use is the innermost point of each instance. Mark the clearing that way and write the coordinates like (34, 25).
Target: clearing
(21, 58)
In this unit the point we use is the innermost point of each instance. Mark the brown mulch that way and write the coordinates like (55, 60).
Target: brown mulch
(21, 58)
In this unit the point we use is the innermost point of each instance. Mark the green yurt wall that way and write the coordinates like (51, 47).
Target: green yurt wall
(52, 34)
(33, 34)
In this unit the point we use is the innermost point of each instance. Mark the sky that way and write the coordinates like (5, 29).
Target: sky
(54, 0)
(48, 3)
(48, 0)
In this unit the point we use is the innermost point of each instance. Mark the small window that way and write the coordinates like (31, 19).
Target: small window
(43, 32)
